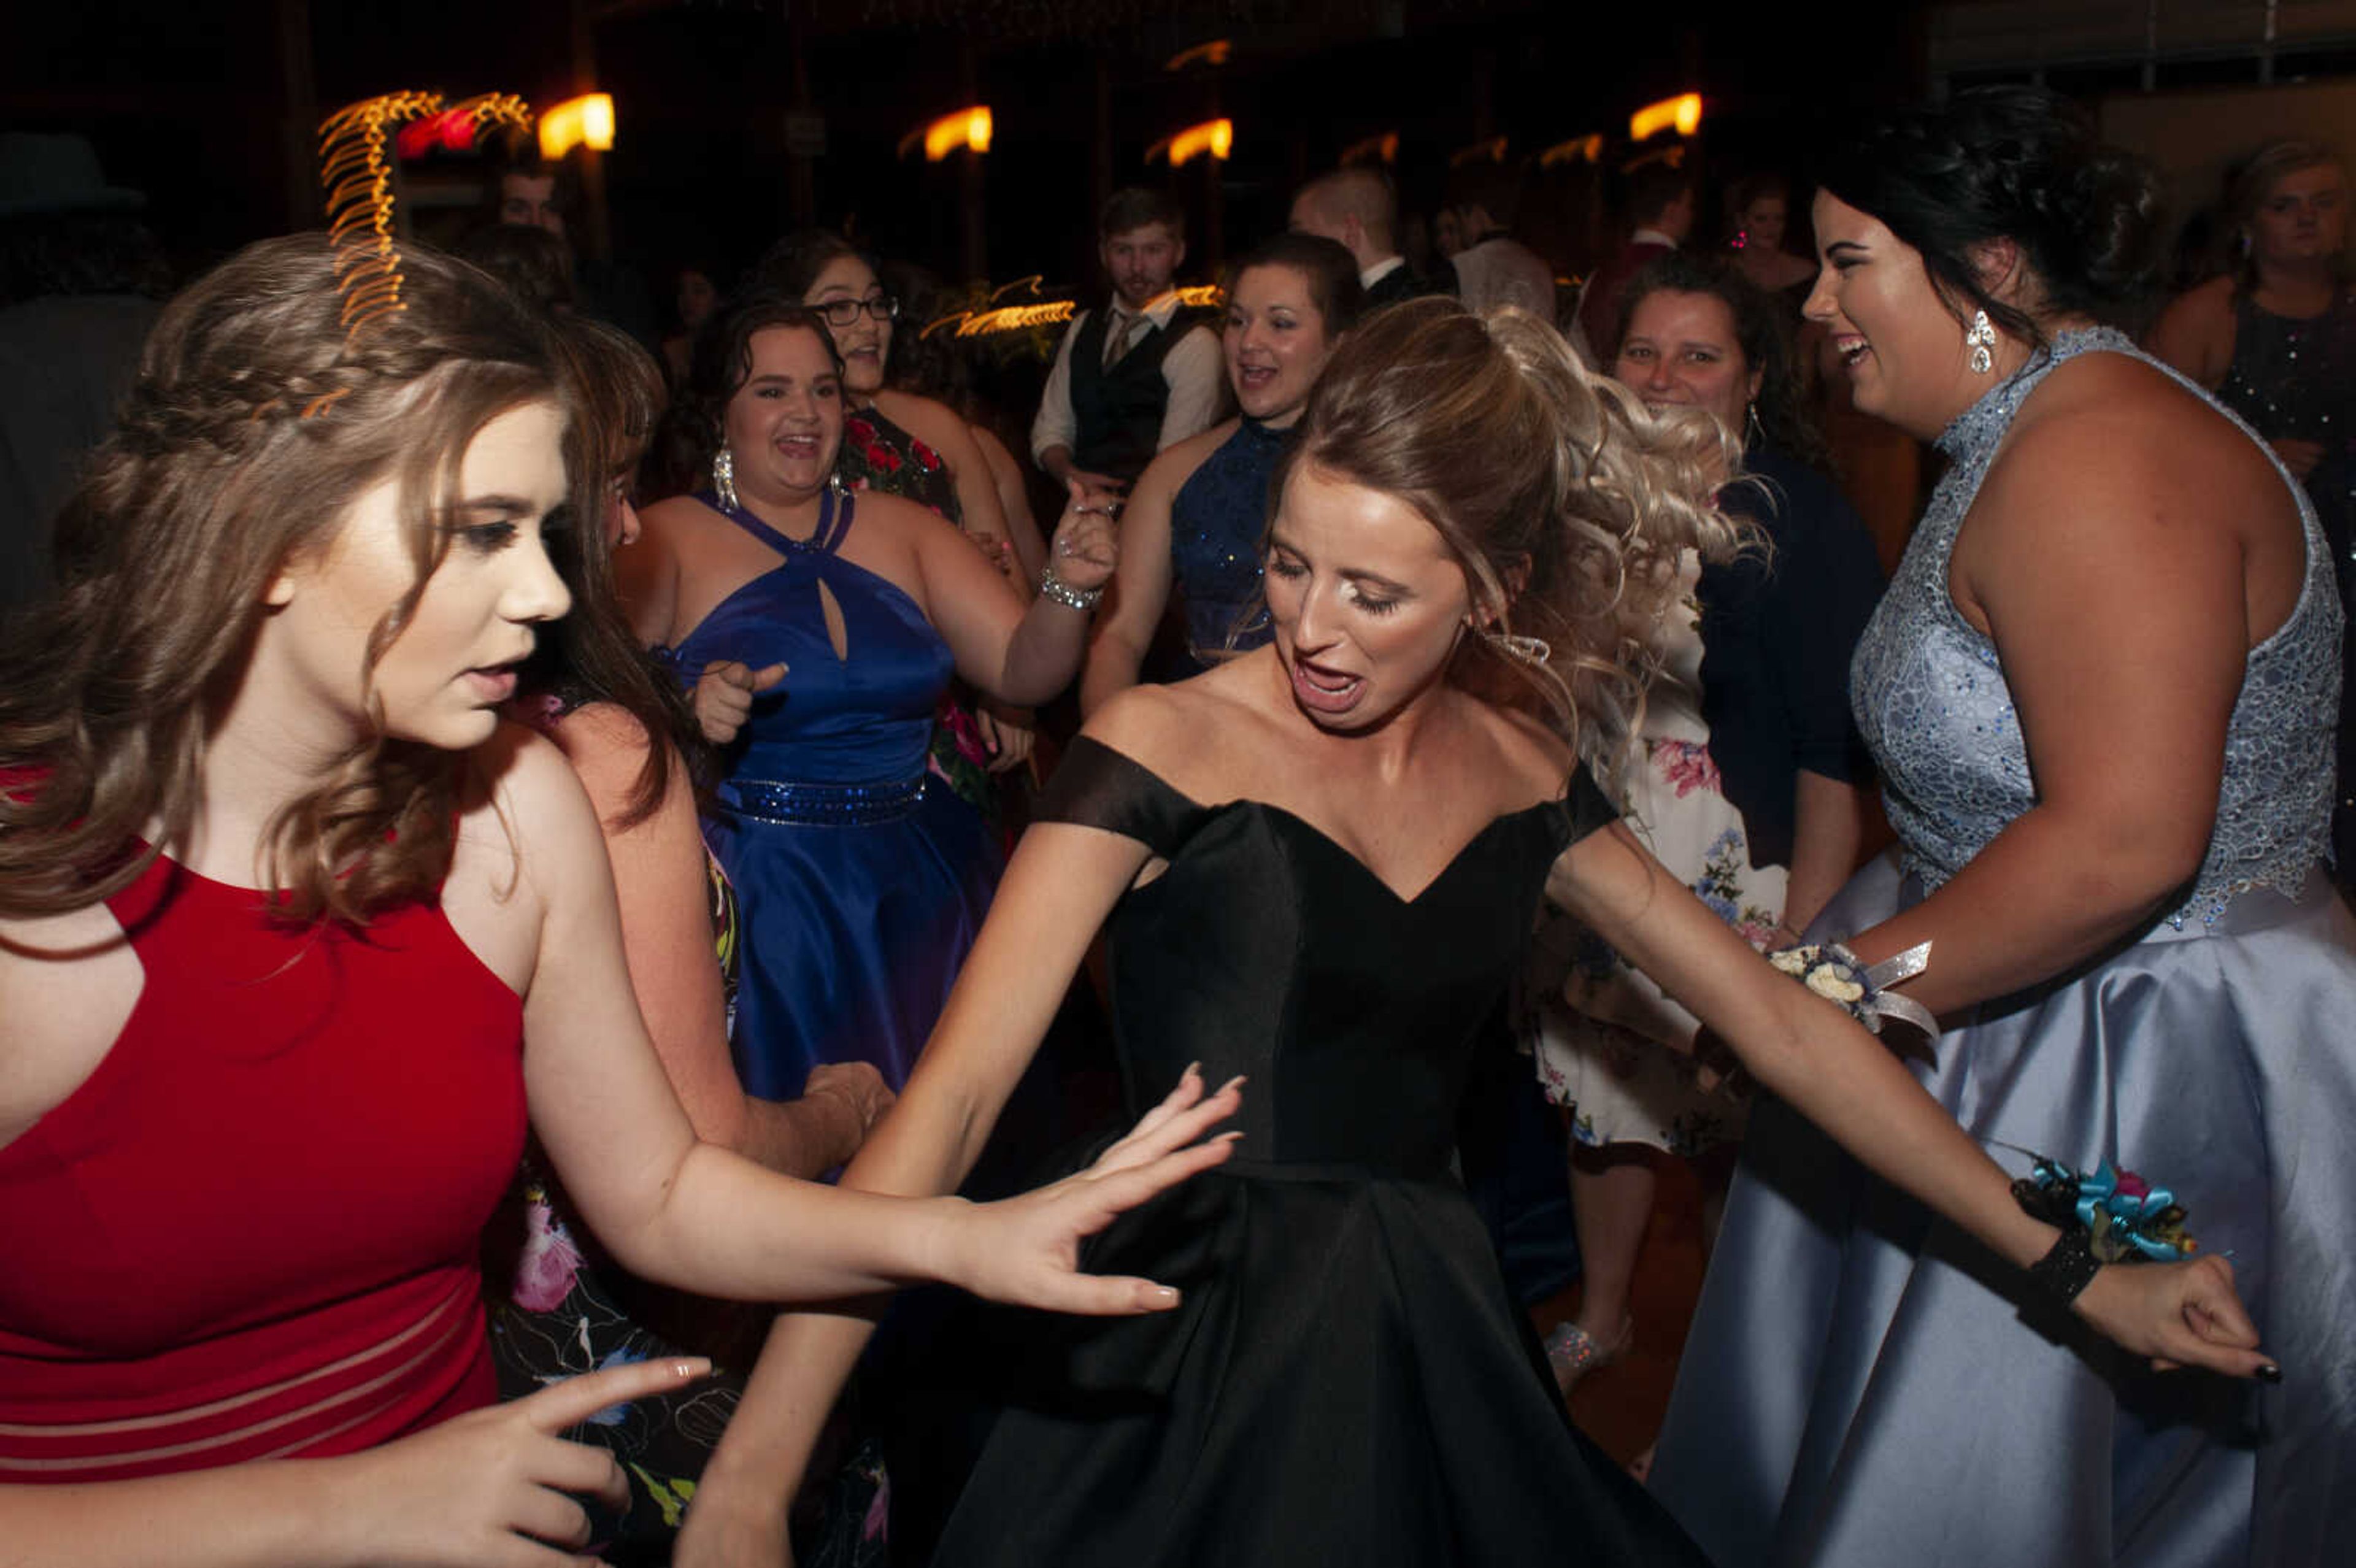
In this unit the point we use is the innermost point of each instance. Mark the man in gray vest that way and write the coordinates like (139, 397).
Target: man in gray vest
(1143, 373)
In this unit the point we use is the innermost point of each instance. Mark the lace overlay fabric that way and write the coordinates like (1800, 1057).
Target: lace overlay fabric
(1932, 700)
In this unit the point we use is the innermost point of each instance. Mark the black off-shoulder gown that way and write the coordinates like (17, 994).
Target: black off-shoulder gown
(1346, 1380)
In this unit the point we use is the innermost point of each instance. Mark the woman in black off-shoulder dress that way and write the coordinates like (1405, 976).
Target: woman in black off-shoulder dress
(1318, 864)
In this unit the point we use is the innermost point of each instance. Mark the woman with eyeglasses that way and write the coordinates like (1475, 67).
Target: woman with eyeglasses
(904, 444)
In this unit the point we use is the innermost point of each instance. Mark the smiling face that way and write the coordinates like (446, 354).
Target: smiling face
(784, 422)
(441, 680)
(1276, 344)
(530, 200)
(2304, 218)
(1141, 262)
(1682, 351)
(1367, 599)
(1902, 348)
(866, 345)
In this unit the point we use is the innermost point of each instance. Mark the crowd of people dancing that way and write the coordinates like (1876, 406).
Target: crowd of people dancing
(549, 880)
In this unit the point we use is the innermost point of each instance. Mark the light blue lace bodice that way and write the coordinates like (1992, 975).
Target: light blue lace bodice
(1931, 698)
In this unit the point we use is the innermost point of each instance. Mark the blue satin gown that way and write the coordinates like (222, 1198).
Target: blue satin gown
(861, 880)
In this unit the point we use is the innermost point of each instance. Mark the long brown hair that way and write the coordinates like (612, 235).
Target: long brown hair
(1568, 514)
(252, 429)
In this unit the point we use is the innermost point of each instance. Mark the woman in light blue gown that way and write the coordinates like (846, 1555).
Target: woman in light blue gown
(2102, 690)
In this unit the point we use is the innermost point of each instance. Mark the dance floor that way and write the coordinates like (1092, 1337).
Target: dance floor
(1621, 1406)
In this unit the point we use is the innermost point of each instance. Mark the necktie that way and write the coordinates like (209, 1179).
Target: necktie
(1120, 334)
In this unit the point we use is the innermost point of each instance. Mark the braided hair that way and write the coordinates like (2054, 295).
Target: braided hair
(253, 428)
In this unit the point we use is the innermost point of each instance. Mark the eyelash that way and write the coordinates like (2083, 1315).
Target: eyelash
(1289, 569)
(485, 539)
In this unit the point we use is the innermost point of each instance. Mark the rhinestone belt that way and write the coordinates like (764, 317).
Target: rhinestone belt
(824, 805)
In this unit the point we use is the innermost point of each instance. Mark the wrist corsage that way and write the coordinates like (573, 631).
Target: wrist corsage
(2106, 1217)
(1839, 976)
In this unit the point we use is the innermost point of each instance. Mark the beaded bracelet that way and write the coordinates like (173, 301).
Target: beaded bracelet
(1054, 587)
(1839, 976)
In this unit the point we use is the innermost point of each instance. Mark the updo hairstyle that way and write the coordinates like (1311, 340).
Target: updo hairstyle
(697, 423)
(1574, 539)
(1327, 268)
(252, 429)
(2019, 163)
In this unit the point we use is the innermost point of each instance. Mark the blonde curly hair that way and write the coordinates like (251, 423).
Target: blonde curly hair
(1567, 504)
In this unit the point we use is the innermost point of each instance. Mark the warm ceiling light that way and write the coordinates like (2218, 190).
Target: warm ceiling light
(967, 128)
(1577, 150)
(1684, 112)
(1217, 137)
(1491, 150)
(1216, 52)
(1382, 149)
(583, 122)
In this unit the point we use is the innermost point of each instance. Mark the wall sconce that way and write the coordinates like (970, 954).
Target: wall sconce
(1684, 112)
(583, 122)
(1215, 137)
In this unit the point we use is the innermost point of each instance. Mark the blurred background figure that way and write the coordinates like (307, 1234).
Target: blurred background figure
(81, 277)
(1357, 208)
(1494, 267)
(1758, 224)
(2274, 335)
(1658, 210)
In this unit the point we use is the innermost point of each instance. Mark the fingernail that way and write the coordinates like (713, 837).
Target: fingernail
(2270, 1373)
(1194, 1070)
(1166, 1295)
(1234, 1082)
(1230, 1138)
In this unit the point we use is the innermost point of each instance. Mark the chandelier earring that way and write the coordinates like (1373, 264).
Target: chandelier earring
(724, 480)
(1754, 433)
(1982, 338)
(1519, 648)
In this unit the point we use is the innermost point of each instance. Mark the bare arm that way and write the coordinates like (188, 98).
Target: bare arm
(1827, 840)
(484, 1490)
(665, 897)
(645, 576)
(1059, 887)
(1810, 1053)
(1014, 503)
(1014, 654)
(2195, 332)
(2123, 632)
(1053, 430)
(978, 505)
(1140, 584)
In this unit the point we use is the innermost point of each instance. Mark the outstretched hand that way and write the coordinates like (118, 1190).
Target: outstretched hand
(489, 1487)
(2179, 1314)
(1026, 1250)
(724, 697)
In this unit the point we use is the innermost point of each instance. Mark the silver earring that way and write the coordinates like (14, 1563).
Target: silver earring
(723, 479)
(1515, 646)
(1982, 337)
(1753, 433)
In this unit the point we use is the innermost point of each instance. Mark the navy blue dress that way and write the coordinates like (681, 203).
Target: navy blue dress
(861, 883)
(1216, 522)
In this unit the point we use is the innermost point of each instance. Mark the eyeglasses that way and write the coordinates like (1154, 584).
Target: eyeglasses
(845, 313)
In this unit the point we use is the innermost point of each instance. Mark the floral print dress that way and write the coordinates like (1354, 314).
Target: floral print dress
(1601, 1033)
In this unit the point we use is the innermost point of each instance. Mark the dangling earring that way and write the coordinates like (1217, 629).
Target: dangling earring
(1982, 337)
(1513, 645)
(724, 480)
(1754, 433)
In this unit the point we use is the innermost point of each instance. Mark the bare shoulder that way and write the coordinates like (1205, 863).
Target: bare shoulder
(1189, 734)
(1532, 760)
(929, 421)
(608, 748)
(994, 452)
(2195, 332)
(523, 805)
(2114, 434)
(670, 517)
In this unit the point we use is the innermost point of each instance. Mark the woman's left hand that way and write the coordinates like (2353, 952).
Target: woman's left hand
(1007, 735)
(1087, 546)
(1026, 1250)
(2179, 1314)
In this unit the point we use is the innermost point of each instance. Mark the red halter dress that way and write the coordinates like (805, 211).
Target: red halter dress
(252, 1233)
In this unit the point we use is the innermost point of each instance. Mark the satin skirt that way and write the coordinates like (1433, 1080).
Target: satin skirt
(1344, 1381)
(851, 934)
(1865, 1385)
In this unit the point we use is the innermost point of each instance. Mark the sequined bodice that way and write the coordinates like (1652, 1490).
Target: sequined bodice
(1216, 522)
(1932, 702)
